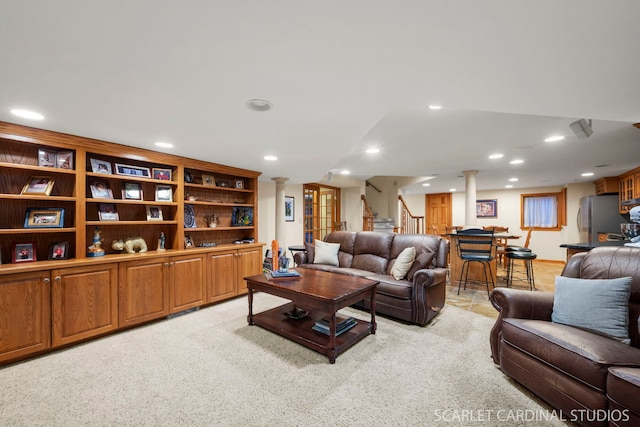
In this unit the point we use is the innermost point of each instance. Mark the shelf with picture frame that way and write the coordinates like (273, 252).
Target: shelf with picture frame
(207, 260)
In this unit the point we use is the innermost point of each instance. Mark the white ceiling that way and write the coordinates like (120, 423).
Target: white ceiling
(342, 76)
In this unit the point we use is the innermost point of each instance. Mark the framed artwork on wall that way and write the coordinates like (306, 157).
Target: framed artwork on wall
(487, 208)
(289, 209)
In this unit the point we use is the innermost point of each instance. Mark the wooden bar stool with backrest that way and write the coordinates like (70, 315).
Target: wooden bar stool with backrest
(475, 245)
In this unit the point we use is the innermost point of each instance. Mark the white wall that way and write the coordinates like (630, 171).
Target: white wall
(546, 244)
(351, 211)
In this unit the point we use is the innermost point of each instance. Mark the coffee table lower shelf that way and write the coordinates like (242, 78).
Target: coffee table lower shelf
(299, 330)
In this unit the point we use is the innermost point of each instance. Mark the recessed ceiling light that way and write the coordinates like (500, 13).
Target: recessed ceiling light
(259, 105)
(373, 150)
(452, 190)
(496, 156)
(513, 179)
(435, 107)
(516, 161)
(426, 184)
(508, 186)
(345, 172)
(26, 114)
(587, 174)
(270, 158)
(164, 144)
(554, 138)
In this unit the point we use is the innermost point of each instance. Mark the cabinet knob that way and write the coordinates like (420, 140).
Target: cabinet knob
(47, 281)
(173, 263)
(58, 278)
(166, 264)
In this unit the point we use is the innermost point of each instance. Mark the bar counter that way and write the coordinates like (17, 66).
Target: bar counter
(574, 248)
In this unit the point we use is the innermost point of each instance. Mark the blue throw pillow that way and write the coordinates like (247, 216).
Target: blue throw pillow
(597, 305)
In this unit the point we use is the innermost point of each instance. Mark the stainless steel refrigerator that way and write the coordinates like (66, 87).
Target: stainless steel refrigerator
(599, 214)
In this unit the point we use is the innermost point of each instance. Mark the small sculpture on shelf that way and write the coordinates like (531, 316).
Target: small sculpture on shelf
(212, 220)
(162, 241)
(95, 249)
(131, 245)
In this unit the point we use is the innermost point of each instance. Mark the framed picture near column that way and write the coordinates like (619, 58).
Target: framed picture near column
(289, 208)
(487, 208)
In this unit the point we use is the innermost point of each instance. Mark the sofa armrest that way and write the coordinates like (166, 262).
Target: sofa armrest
(300, 258)
(520, 304)
(429, 292)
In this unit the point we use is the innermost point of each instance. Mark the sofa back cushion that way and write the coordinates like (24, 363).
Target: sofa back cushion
(608, 262)
(371, 251)
(347, 241)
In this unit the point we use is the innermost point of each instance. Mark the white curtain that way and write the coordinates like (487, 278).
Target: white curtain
(541, 212)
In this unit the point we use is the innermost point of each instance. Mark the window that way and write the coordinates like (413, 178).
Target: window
(543, 211)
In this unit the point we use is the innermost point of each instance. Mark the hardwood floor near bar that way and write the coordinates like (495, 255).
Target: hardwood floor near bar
(474, 298)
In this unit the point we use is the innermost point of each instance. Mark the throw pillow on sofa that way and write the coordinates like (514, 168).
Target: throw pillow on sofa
(403, 263)
(326, 253)
(422, 261)
(597, 305)
(311, 251)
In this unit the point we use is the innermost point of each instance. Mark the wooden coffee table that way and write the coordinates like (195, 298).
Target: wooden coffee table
(322, 294)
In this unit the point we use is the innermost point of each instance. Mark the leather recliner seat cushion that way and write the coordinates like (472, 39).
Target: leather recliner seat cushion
(577, 353)
(623, 391)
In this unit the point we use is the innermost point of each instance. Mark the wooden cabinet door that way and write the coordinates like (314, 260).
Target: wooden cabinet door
(221, 275)
(84, 302)
(249, 264)
(143, 291)
(187, 282)
(25, 314)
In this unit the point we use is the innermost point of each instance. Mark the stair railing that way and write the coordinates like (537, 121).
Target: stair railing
(409, 223)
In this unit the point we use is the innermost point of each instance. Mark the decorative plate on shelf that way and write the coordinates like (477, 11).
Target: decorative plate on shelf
(189, 217)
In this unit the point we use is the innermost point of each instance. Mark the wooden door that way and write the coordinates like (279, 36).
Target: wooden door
(249, 264)
(439, 209)
(84, 302)
(321, 211)
(143, 291)
(188, 282)
(25, 323)
(221, 275)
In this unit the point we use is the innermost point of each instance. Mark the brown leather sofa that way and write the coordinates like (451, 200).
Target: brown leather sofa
(418, 297)
(591, 379)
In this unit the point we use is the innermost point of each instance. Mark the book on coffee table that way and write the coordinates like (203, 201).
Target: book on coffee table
(343, 325)
(278, 276)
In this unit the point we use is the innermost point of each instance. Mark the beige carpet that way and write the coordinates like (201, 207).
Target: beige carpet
(210, 368)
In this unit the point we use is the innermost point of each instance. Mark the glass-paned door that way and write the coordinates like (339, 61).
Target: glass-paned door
(321, 211)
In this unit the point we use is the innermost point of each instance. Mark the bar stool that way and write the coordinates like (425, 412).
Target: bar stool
(475, 245)
(527, 257)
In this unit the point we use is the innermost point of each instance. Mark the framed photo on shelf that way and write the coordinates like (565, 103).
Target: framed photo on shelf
(242, 217)
(487, 208)
(208, 180)
(239, 184)
(154, 213)
(44, 218)
(59, 251)
(46, 158)
(162, 174)
(129, 170)
(100, 166)
(108, 212)
(164, 193)
(188, 241)
(132, 191)
(23, 252)
(39, 186)
(64, 159)
(100, 190)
